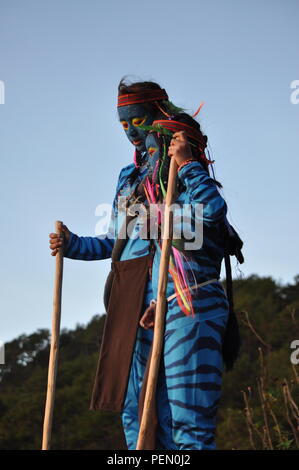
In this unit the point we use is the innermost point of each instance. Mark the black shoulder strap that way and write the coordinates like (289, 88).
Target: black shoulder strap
(232, 339)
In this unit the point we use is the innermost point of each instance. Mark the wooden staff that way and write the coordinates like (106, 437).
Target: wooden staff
(53, 359)
(149, 400)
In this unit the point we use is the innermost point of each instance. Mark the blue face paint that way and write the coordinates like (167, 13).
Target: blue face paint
(153, 151)
(132, 117)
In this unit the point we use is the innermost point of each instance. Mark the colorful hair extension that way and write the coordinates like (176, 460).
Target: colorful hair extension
(177, 258)
(163, 162)
(196, 112)
(180, 280)
(162, 110)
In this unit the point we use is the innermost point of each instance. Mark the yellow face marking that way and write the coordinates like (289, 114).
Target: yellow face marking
(152, 151)
(138, 121)
(125, 125)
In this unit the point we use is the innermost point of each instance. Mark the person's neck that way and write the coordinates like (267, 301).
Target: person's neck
(143, 161)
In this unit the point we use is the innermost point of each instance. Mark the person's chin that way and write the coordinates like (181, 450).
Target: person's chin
(139, 145)
(140, 148)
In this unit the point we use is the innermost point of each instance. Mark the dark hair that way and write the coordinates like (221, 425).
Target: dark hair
(162, 109)
(125, 88)
(186, 119)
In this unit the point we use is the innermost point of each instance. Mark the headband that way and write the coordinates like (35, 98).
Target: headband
(176, 126)
(142, 97)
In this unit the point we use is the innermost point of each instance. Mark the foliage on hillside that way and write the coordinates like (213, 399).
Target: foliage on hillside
(259, 404)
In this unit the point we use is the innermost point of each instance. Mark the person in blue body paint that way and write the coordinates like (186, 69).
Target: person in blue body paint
(192, 363)
(189, 383)
(190, 378)
(132, 118)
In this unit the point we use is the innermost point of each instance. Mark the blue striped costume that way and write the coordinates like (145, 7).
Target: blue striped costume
(189, 384)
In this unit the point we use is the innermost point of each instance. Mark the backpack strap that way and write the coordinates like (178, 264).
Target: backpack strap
(232, 339)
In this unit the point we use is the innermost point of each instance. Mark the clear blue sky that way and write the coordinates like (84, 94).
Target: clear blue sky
(62, 146)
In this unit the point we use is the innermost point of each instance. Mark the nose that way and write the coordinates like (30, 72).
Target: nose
(132, 131)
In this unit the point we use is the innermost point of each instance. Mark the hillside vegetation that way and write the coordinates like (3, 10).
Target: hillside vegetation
(259, 404)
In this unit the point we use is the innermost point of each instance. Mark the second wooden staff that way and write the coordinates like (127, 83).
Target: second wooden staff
(160, 310)
(53, 359)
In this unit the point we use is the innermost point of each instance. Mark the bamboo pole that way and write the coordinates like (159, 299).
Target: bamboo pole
(53, 359)
(149, 400)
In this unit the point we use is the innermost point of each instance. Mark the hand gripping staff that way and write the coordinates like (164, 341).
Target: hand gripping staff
(160, 309)
(53, 359)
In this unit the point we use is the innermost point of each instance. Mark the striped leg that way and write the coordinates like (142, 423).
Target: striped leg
(130, 410)
(164, 431)
(193, 369)
(129, 413)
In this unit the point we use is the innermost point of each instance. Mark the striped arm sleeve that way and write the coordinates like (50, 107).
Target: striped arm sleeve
(201, 188)
(88, 248)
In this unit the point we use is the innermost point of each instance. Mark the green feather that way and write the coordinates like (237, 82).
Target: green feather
(178, 244)
(163, 131)
(161, 168)
(157, 128)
